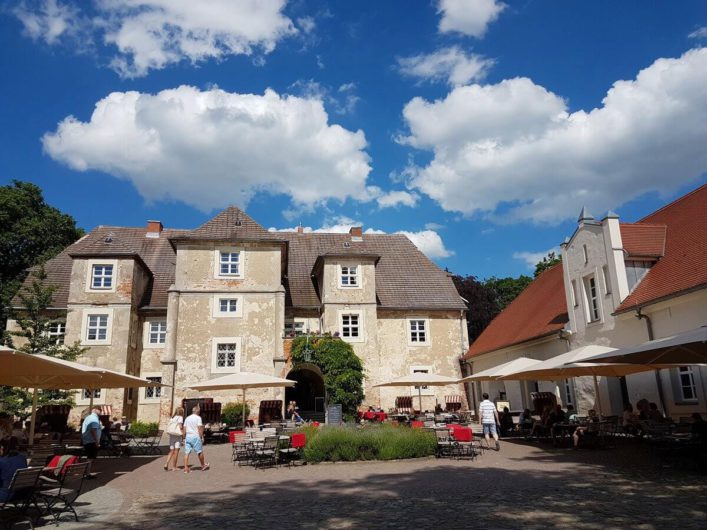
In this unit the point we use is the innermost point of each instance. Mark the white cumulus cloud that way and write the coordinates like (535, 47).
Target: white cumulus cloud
(699, 33)
(470, 17)
(151, 34)
(533, 258)
(428, 241)
(451, 65)
(211, 148)
(395, 198)
(514, 152)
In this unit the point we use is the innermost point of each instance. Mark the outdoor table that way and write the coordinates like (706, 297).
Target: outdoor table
(563, 431)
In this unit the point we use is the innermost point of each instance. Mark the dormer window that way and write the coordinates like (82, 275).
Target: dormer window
(635, 271)
(348, 276)
(229, 263)
(102, 277)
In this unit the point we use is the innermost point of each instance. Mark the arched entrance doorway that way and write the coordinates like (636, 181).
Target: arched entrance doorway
(308, 392)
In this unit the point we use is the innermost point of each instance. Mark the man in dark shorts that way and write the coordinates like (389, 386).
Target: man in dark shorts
(91, 433)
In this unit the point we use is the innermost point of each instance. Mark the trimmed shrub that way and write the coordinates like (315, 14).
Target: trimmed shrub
(141, 428)
(232, 413)
(378, 442)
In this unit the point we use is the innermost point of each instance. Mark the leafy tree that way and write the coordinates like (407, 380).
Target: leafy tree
(341, 368)
(481, 304)
(507, 289)
(34, 324)
(31, 232)
(548, 261)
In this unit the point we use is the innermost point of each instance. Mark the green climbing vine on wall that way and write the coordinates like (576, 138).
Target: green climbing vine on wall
(342, 370)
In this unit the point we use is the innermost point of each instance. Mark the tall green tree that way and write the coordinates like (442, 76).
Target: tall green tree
(31, 232)
(34, 323)
(480, 301)
(547, 262)
(507, 289)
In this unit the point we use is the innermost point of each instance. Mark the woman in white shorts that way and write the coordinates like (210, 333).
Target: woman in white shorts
(175, 440)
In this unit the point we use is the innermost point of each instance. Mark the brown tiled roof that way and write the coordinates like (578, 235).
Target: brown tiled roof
(538, 311)
(232, 223)
(683, 267)
(405, 277)
(643, 240)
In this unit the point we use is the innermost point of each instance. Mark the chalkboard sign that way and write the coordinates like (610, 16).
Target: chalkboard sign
(334, 415)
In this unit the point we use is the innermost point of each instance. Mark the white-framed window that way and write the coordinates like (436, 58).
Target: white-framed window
(151, 394)
(350, 327)
(294, 327)
(592, 299)
(156, 334)
(83, 396)
(56, 332)
(226, 354)
(101, 275)
(229, 263)
(418, 331)
(349, 276)
(424, 390)
(635, 271)
(568, 392)
(607, 279)
(227, 306)
(96, 326)
(686, 382)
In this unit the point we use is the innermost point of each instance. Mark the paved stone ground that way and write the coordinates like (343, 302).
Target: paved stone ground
(524, 485)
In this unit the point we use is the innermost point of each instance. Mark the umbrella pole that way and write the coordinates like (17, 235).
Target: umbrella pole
(419, 392)
(243, 410)
(596, 391)
(90, 400)
(33, 421)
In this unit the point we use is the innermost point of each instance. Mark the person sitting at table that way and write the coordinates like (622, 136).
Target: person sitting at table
(630, 419)
(116, 425)
(642, 408)
(542, 427)
(290, 411)
(296, 417)
(571, 414)
(8, 465)
(525, 420)
(591, 428)
(507, 424)
(654, 414)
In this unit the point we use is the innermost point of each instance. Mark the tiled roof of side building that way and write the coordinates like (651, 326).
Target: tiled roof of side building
(643, 240)
(683, 267)
(538, 311)
(405, 277)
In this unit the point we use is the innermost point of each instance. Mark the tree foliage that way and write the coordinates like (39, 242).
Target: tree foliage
(547, 262)
(31, 232)
(34, 323)
(341, 368)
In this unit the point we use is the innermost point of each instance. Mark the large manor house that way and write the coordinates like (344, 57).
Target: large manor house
(184, 306)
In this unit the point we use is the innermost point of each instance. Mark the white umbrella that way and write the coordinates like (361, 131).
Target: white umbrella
(41, 371)
(419, 380)
(689, 347)
(516, 365)
(572, 364)
(242, 380)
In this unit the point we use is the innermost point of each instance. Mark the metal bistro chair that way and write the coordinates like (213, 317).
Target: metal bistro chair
(296, 448)
(61, 499)
(22, 490)
(266, 454)
(445, 446)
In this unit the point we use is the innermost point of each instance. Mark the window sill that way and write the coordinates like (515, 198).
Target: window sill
(687, 403)
(94, 343)
(419, 344)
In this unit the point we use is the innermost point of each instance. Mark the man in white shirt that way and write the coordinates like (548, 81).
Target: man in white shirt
(489, 419)
(194, 439)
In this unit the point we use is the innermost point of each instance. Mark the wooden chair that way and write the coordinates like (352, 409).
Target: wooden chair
(61, 499)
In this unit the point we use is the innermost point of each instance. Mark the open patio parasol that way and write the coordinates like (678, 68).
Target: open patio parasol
(419, 380)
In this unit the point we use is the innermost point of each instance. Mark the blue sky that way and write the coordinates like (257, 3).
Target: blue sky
(478, 127)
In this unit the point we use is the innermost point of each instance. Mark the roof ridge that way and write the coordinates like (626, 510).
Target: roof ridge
(674, 202)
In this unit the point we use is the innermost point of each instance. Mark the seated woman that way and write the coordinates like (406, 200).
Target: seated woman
(542, 427)
(630, 420)
(583, 432)
(507, 425)
(525, 421)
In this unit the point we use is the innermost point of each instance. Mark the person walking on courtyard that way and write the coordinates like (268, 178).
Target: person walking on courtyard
(175, 429)
(194, 439)
(489, 419)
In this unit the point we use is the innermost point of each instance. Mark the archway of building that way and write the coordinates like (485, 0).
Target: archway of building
(308, 393)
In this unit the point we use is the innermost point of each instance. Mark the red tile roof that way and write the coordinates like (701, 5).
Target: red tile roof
(643, 240)
(683, 267)
(538, 311)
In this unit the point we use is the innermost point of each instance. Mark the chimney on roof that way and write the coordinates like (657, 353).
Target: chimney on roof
(154, 229)
(356, 231)
(300, 229)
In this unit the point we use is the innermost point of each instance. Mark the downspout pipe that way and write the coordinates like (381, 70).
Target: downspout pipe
(658, 380)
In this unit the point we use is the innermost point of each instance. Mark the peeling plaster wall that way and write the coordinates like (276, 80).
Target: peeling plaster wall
(332, 293)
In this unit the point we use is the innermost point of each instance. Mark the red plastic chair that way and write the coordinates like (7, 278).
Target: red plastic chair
(232, 435)
(298, 440)
(417, 424)
(463, 435)
(315, 424)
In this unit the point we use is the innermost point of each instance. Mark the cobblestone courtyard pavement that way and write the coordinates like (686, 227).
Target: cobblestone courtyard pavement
(524, 485)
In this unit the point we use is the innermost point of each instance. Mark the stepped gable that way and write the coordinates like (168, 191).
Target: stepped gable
(683, 266)
(540, 310)
(231, 224)
(643, 240)
(405, 277)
